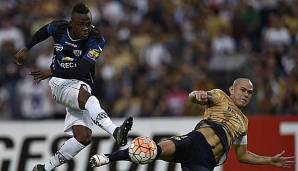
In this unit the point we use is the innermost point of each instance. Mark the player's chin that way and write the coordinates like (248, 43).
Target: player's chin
(84, 35)
(241, 104)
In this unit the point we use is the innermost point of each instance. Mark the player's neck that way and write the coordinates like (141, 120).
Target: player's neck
(234, 101)
(72, 35)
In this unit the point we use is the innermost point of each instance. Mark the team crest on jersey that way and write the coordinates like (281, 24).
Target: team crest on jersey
(58, 47)
(77, 52)
(93, 54)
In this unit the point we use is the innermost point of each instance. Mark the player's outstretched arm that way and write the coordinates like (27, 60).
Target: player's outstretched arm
(39, 36)
(278, 160)
(199, 97)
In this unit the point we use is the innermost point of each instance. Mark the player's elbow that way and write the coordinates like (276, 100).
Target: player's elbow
(242, 158)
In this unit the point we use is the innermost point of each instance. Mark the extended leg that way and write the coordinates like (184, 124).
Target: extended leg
(70, 148)
(100, 117)
(165, 151)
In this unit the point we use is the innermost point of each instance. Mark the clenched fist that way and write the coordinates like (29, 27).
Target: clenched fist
(200, 97)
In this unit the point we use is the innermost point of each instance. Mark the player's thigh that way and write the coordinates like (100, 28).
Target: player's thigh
(76, 117)
(194, 168)
(83, 96)
(168, 150)
(176, 148)
(66, 91)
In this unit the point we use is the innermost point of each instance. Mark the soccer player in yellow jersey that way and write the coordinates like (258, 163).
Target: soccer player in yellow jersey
(207, 145)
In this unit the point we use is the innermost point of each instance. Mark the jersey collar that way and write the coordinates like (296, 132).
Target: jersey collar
(71, 37)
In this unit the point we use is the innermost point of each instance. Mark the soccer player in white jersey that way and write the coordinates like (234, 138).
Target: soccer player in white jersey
(77, 46)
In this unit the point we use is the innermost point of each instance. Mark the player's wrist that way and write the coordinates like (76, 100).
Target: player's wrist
(269, 160)
(50, 72)
(27, 47)
(192, 94)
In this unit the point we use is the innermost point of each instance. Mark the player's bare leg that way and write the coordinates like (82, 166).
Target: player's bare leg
(82, 134)
(100, 117)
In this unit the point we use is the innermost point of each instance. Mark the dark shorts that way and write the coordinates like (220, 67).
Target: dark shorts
(193, 152)
(194, 168)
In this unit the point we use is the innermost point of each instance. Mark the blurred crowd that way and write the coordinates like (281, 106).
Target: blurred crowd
(157, 52)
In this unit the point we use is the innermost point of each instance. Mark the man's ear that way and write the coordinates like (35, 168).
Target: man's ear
(231, 89)
(90, 16)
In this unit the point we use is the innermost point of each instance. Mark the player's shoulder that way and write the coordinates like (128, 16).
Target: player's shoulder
(217, 91)
(59, 24)
(96, 35)
(217, 95)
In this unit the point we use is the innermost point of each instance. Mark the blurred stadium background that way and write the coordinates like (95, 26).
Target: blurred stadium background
(157, 52)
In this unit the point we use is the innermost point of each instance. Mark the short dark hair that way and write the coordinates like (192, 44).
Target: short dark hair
(80, 8)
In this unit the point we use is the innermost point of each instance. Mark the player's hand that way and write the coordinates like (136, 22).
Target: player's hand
(21, 56)
(280, 161)
(39, 75)
(199, 96)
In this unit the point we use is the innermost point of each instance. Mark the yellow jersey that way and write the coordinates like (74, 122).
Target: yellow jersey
(223, 110)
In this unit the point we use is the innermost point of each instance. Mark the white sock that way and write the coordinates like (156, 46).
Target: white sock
(68, 150)
(99, 116)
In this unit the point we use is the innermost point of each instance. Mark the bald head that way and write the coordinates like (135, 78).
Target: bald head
(242, 80)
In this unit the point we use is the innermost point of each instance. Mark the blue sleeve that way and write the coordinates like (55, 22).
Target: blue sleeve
(51, 28)
(39, 36)
(94, 48)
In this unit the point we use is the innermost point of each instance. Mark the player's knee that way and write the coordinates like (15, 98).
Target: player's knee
(82, 134)
(84, 139)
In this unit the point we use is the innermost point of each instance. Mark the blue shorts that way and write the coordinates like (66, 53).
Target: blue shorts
(193, 152)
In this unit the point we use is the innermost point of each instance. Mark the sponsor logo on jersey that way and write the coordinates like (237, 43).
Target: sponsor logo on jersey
(67, 65)
(93, 54)
(77, 52)
(67, 59)
(58, 47)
